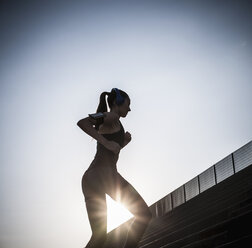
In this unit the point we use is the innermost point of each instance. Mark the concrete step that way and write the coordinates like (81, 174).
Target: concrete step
(204, 218)
(232, 228)
(243, 242)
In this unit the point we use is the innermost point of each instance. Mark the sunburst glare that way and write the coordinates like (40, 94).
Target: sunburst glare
(116, 214)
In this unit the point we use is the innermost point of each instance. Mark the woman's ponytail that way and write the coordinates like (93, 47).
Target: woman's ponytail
(102, 107)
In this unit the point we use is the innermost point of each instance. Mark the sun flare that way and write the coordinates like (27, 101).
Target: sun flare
(116, 214)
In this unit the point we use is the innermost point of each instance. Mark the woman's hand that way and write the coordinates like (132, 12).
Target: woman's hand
(112, 146)
(127, 138)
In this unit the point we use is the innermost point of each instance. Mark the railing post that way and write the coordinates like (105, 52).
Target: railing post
(198, 183)
(215, 177)
(171, 201)
(232, 155)
(184, 192)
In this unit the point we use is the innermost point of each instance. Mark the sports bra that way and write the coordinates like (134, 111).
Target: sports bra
(116, 136)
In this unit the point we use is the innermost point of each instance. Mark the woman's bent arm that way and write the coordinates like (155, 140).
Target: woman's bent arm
(86, 125)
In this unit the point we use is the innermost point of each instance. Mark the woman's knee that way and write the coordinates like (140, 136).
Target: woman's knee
(97, 240)
(100, 237)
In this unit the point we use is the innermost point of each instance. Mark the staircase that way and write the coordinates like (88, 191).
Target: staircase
(219, 216)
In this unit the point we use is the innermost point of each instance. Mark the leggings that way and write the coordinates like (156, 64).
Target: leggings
(97, 182)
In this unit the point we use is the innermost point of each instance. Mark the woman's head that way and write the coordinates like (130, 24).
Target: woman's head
(118, 102)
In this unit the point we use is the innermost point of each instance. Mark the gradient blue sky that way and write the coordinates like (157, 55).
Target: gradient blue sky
(186, 66)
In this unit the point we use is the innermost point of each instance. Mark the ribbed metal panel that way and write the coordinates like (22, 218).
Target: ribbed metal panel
(207, 179)
(167, 204)
(191, 188)
(224, 168)
(178, 196)
(159, 210)
(153, 210)
(243, 157)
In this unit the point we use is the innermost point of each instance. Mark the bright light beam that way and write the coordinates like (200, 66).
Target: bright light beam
(116, 214)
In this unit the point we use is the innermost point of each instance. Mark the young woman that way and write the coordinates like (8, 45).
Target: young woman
(102, 176)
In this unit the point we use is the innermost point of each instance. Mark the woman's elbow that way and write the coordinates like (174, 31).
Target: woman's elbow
(78, 123)
(84, 124)
(81, 124)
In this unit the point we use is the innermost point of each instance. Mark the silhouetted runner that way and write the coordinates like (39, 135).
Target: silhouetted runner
(102, 176)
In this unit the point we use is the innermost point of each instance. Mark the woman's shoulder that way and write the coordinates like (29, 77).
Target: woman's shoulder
(110, 118)
(111, 123)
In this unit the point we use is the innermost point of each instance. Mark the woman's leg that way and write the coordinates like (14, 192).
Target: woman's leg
(96, 207)
(97, 215)
(128, 196)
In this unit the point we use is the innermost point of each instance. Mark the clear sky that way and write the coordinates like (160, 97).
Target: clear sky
(186, 66)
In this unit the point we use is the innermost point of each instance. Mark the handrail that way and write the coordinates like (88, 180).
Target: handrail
(228, 166)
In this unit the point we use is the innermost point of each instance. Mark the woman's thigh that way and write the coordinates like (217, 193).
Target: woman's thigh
(126, 194)
(95, 200)
(94, 183)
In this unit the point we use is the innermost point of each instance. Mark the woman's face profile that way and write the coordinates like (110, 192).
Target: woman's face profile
(125, 107)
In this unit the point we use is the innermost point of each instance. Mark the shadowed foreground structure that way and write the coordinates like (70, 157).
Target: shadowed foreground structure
(214, 209)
